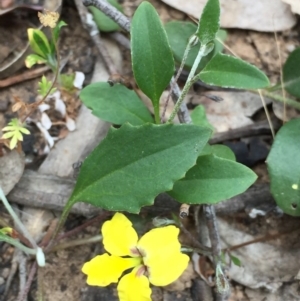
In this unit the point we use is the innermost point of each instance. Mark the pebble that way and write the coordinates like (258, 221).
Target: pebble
(4, 104)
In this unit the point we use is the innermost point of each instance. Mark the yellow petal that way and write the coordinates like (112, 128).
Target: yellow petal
(105, 269)
(134, 288)
(161, 253)
(163, 271)
(119, 238)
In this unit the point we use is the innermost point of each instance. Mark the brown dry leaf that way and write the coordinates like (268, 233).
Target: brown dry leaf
(289, 114)
(267, 264)
(36, 221)
(233, 112)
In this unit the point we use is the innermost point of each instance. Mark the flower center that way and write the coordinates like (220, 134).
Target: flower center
(141, 271)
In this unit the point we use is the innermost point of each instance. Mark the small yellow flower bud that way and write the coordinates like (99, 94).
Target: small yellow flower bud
(48, 18)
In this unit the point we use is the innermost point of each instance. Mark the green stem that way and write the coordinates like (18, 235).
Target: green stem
(18, 245)
(291, 102)
(54, 80)
(187, 249)
(156, 113)
(189, 46)
(202, 52)
(16, 219)
(61, 222)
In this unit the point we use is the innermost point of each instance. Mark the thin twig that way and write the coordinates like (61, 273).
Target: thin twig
(89, 24)
(77, 242)
(263, 238)
(22, 272)
(211, 223)
(222, 285)
(12, 272)
(83, 226)
(22, 295)
(266, 112)
(121, 39)
(256, 129)
(27, 75)
(110, 11)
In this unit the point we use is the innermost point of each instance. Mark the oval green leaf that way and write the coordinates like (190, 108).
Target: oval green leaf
(56, 32)
(291, 73)
(38, 42)
(152, 59)
(209, 22)
(212, 180)
(223, 151)
(103, 22)
(115, 104)
(284, 168)
(230, 72)
(33, 59)
(132, 165)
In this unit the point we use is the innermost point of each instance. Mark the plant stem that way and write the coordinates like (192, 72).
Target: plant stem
(291, 102)
(36, 104)
(124, 23)
(17, 221)
(156, 113)
(189, 82)
(222, 284)
(60, 223)
(18, 245)
(174, 81)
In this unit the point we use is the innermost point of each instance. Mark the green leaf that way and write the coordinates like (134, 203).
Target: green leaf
(291, 73)
(236, 261)
(6, 231)
(133, 164)
(198, 116)
(218, 150)
(223, 151)
(56, 32)
(179, 33)
(4, 237)
(44, 86)
(115, 104)
(103, 22)
(33, 59)
(231, 72)
(209, 22)
(284, 168)
(38, 42)
(152, 59)
(67, 81)
(212, 180)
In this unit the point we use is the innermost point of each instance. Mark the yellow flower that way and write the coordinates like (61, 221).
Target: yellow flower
(48, 18)
(155, 258)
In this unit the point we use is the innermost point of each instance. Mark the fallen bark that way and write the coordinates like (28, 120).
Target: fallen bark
(52, 193)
